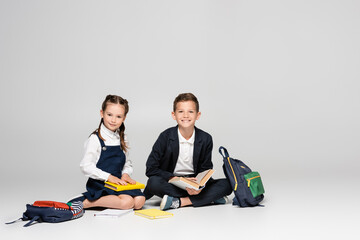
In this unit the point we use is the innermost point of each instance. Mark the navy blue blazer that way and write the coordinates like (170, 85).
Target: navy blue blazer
(164, 155)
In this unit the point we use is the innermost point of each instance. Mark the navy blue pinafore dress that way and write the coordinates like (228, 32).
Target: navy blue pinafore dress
(112, 160)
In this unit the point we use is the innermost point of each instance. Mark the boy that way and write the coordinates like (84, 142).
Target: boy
(185, 151)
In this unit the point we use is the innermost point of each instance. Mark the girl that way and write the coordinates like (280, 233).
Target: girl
(106, 159)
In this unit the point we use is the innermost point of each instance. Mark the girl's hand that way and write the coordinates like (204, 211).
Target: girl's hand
(192, 191)
(116, 180)
(125, 177)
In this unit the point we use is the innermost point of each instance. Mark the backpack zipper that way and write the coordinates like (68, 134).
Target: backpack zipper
(236, 183)
(249, 179)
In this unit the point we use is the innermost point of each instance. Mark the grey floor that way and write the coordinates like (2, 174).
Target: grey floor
(295, 208)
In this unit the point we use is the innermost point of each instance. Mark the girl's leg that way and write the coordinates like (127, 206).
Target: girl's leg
(139, 202)
(111, 201)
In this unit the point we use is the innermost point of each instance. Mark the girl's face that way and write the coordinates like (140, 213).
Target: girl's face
(114, 116)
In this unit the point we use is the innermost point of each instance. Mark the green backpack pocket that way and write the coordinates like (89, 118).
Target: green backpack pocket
(254, 182)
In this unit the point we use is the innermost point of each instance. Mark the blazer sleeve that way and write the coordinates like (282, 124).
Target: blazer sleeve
(154, 166)
(205, 162)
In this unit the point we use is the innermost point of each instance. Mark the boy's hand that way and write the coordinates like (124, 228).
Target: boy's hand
(116, 180)
(125, 177)
(192, 191)
(192, 179)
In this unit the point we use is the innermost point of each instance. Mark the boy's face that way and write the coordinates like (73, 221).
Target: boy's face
(186, 114)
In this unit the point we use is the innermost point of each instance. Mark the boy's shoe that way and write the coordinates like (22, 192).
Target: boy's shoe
(169, 202)
(222, 200)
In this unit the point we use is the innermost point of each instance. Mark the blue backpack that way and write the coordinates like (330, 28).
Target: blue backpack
(52, 212)
(246, 184)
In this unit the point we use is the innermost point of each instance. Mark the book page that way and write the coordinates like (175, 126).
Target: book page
(192, 184)
(203, 175)
(112, 213)
(183, 183)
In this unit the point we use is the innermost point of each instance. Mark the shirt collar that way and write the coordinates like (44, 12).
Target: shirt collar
(183, 140)
(108, 133)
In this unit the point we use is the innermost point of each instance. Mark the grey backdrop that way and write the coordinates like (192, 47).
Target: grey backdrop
(278, 84)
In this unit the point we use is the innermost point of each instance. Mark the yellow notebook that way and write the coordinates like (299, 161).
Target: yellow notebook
(117, 187)
(153, 213)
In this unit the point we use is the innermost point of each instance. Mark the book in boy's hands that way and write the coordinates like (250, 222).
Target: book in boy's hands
(118, 187)
(201, 180)
(153, 213)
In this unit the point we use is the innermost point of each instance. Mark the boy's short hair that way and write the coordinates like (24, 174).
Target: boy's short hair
(182, 97)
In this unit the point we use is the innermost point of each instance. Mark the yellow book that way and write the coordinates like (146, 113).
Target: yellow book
(153, 213)
(117, 187)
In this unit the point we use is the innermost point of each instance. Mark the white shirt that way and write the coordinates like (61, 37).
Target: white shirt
(93, 150)
(184, 165)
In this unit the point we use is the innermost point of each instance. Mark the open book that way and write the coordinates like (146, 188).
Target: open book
(200, 182)
(117, 187)
(112, 212)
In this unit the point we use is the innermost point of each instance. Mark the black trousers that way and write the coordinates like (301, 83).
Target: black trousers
(213, 190)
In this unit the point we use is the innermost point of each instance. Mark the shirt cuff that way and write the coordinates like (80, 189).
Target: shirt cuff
(127, 171)
(105, 176)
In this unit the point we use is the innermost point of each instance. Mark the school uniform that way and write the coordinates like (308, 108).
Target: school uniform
(101, 159)
(162, 162)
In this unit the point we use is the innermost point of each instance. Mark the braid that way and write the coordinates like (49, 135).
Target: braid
(98, 130)
(123, 145)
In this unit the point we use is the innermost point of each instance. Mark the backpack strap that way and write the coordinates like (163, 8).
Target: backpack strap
(225, 154)
(36, 218)
(17, 220)
(23, 218)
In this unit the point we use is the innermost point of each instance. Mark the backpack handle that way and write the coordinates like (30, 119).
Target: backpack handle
(225, 154)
